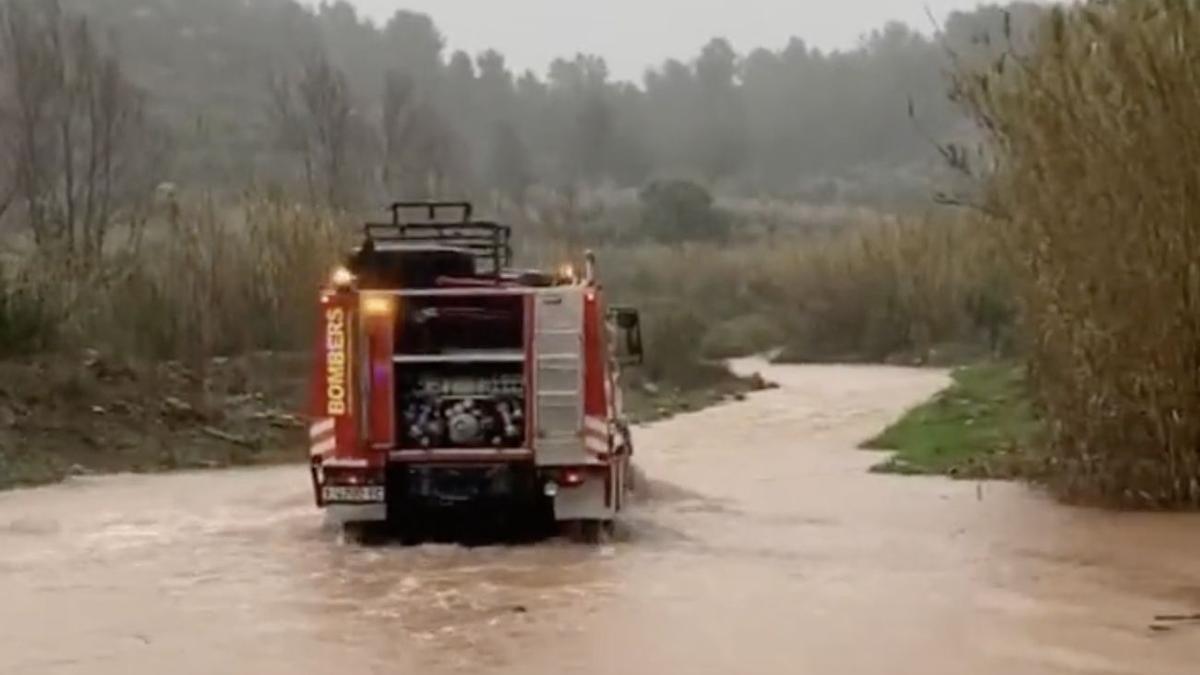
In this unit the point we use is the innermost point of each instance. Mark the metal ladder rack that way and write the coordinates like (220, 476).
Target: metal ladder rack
(489, 242)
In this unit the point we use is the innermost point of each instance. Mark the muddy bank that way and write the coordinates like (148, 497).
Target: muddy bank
(79, 414)
(87, 413)
(763, 546)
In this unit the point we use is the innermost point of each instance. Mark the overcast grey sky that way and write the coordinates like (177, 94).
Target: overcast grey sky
(634, 34)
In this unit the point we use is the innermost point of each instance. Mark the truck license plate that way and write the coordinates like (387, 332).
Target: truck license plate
(366, 494)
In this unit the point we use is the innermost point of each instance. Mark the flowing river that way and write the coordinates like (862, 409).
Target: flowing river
(760, 544)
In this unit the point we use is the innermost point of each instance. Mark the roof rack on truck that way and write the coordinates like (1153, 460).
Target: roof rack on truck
(447, 225)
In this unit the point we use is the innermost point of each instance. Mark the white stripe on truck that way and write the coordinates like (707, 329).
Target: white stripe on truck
(596, 445)
(596, 425)
(326, 446)
(321, 428)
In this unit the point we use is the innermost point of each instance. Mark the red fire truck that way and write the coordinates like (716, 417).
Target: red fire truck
(445, 379)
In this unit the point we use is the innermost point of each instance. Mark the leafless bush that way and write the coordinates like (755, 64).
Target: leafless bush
(315, 114)
(1095, 144)
(79, 152)
(422, 155)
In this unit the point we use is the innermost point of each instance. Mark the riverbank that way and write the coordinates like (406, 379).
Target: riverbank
(79, 414)
(982, 426)
(647, 402)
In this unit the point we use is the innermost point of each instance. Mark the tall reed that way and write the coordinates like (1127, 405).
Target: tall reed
(204, 279)
(867, 292)
(1095, 182)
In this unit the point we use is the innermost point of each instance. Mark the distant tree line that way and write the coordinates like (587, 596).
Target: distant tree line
(327, 102)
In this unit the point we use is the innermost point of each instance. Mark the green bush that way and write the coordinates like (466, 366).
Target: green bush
(681, 210)
(742, 336)
(673, 349)
(25, 323)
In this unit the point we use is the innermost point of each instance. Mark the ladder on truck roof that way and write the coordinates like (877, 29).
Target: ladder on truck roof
(490, 243)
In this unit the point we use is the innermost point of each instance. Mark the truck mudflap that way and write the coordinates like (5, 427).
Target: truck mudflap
(595, 491)
(590, 500)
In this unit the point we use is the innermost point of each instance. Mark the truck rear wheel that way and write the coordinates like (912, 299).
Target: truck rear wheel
(363, 534)
(590, 532)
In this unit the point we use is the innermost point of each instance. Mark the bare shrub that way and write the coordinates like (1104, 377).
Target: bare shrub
(1094, 142)
(422, 154)
(81, 153)
(314, 111)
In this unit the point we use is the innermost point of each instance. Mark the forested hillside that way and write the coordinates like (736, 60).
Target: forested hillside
(269, 91)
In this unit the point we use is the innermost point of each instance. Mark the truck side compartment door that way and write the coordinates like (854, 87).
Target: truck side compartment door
(558, 375)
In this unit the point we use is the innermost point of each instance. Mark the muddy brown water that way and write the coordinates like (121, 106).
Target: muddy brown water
(763, 546)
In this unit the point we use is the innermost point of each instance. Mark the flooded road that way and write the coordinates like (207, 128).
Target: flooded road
(763, 546)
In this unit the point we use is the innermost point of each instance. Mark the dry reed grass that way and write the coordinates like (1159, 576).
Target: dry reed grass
(203, 280)
(1096, 149)
(206, 280)
(866, 293)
